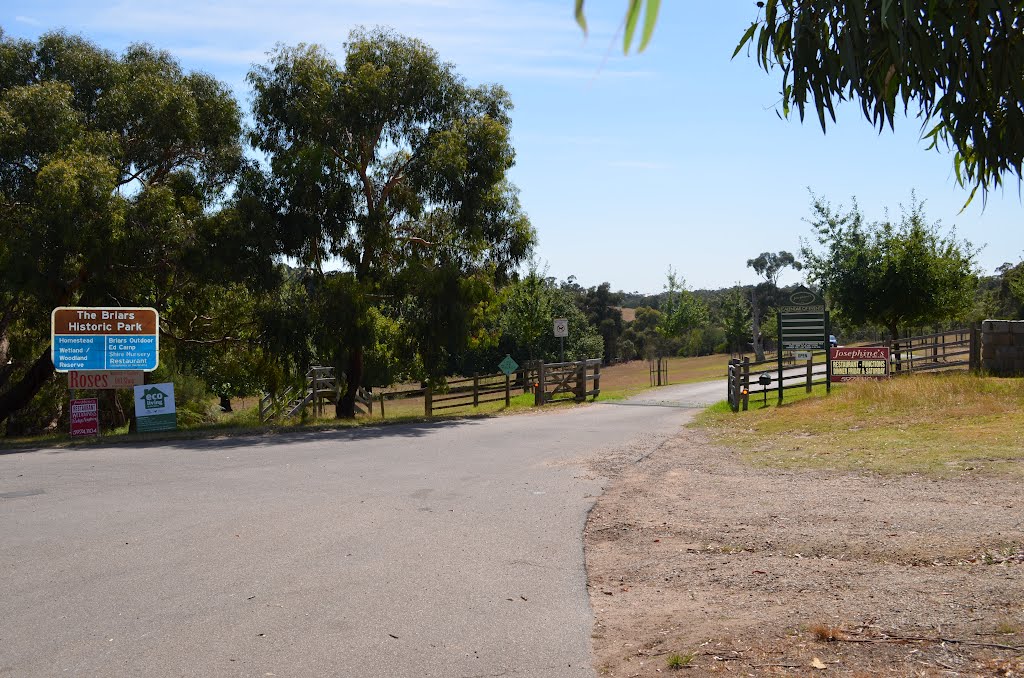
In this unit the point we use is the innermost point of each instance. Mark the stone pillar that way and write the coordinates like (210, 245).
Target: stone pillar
(1002, 347)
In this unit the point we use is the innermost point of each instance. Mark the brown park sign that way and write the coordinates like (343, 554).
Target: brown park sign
(99, 339)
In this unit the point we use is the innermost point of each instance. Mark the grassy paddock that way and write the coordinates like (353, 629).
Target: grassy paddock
(626, 379)
(938, 424)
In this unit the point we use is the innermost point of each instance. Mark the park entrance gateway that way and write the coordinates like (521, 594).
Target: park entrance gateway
(104, 348)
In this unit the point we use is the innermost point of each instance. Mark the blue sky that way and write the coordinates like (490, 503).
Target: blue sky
(626, 165)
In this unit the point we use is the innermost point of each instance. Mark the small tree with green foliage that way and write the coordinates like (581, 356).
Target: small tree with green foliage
(681, 310)
(890, 274)
(735, 319)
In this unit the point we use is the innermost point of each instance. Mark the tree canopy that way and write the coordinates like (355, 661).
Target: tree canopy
(392, 163)
(109, 169)
(894, 275)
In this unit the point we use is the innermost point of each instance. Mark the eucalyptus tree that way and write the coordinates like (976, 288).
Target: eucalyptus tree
(768, 265)
(112, 168)
(390, 164)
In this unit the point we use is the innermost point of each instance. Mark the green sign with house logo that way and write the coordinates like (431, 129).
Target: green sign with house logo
(508, 365)
(154, 408)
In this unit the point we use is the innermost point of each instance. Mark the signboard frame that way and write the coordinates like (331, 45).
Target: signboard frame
(805, 315)
(879, 356)
(102, 380)
(561, 327)
(84, 417)
(508, 365)
(157, 417)
(111, 329)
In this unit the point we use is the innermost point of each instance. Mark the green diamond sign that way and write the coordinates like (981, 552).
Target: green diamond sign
(508, 366)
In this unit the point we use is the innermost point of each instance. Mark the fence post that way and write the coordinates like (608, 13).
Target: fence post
(737, 385)
(428, 401)
(581, 380)
(382, 405)
(597, 380)
(734, 384)
(974, 349)
(745, 383)
(810, 374)
(476, 390)
(508, 390)
(538, 390)
(316, 395)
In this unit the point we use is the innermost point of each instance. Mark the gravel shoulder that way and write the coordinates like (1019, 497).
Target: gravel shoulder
(752, 571)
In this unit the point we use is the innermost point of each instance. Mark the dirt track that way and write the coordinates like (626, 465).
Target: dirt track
(692, 551)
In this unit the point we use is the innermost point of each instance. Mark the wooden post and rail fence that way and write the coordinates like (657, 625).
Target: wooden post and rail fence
(548, 382)
(950, 350)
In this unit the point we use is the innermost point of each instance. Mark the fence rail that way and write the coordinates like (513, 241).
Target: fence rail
(578, 379)
(950, 350)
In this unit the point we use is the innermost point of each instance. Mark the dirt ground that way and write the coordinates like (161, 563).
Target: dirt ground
(729, 569)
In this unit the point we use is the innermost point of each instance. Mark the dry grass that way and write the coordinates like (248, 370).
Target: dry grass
(626, 379)
(937, 424)
(826, 633)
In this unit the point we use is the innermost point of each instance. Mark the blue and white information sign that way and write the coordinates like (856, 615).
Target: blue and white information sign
(105, 339)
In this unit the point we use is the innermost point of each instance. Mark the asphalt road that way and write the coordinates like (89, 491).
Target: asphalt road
(447, 549)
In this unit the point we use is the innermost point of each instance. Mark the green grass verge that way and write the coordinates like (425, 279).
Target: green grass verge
(939, 424)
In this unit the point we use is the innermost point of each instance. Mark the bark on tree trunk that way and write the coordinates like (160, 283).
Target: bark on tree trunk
(5, 349)
(22, 392)
(346, 406)
(112, 412)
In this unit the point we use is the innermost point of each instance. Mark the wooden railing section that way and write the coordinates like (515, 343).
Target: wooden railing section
(578, 380)
(955, 349)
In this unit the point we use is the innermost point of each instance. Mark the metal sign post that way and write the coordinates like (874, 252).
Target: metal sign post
(561, 331)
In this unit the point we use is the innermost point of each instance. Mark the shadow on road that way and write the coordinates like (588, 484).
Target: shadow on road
(231, 439)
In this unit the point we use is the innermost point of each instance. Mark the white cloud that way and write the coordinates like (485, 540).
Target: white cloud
(485, 39)
(28, 20)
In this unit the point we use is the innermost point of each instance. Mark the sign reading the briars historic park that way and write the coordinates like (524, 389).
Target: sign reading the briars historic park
(154, 408)
(104, 339)
(850, 363)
